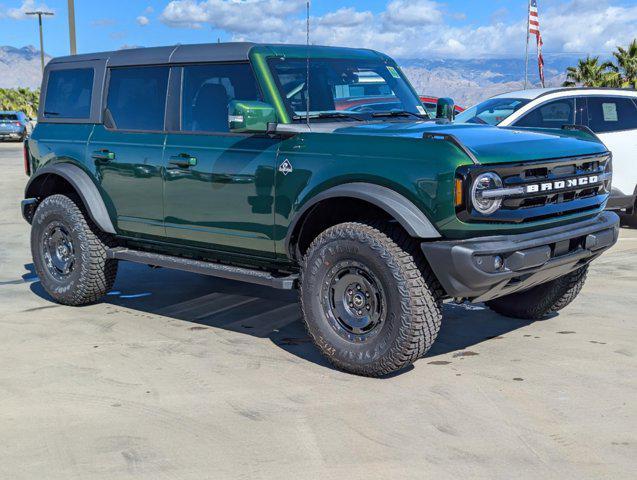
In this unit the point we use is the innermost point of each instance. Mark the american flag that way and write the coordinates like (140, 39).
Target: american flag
(534, 29)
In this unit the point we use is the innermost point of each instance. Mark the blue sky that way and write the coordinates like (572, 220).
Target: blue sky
(404, 28)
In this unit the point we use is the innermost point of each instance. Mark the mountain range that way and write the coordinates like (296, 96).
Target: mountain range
(20, 67)
(467, 81)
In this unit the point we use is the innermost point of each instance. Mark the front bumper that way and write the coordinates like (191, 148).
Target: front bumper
(469, 268)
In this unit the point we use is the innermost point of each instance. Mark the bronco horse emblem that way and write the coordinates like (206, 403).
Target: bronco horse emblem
(285, 167)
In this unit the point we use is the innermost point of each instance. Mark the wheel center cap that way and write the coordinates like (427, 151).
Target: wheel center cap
(358, 300)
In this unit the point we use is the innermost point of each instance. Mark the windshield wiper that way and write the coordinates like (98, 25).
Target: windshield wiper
(330, 115)
(397, 113)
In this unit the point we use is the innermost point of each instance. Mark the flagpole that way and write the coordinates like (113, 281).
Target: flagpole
(528, 37)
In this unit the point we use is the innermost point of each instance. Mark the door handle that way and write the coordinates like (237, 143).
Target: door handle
(183, 160)
(104, 155)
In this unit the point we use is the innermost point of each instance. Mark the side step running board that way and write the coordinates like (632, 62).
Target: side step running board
(258, 277)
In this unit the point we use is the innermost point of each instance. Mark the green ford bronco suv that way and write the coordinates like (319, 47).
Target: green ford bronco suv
(314, 168)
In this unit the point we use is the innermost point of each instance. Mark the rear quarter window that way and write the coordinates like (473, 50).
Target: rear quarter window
(611, 114)
(69, 93)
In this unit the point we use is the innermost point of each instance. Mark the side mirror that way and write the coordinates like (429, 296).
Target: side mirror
(247, 116)
(446, 108)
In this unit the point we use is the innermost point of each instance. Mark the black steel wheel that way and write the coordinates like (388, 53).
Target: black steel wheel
(58, 251)
(69, 252)
(370, 303)
(354, 301)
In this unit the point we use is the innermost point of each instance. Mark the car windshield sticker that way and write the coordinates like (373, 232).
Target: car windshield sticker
(394, 72)
(610, 112)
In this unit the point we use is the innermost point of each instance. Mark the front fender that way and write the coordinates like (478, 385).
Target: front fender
(412, 219)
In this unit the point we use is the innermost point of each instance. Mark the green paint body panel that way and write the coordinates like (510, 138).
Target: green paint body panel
(234, 204)
(227, 199)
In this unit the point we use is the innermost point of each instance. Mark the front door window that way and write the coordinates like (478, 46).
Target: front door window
(553, 114)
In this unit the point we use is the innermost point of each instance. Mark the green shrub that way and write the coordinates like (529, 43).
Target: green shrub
(20, 99)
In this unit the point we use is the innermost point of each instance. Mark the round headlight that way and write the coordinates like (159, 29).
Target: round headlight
(486, 181)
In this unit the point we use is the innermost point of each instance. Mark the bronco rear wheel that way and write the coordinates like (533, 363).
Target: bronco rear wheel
(370, 303)
(540, 301)
(69, 253)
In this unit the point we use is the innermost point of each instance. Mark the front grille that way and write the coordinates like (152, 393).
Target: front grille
(541, 204)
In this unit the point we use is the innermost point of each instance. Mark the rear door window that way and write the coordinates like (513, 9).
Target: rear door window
(69, 93)
(207, 91)
(611, 114)
(553, 114)
(137, 97)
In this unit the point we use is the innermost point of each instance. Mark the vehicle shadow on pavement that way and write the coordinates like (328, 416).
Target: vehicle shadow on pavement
(207, 302)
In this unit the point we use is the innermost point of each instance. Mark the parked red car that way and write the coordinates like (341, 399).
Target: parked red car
(430, 105)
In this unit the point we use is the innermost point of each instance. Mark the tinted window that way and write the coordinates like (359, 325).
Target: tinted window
(432, 109)
(208, 91)
(8, 117)
(491, 111)
(607, 114)
(68, 93)
(137, 97)
(355, 86)
(553, 114)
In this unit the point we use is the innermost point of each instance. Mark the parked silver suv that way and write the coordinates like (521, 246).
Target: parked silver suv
(14, 126)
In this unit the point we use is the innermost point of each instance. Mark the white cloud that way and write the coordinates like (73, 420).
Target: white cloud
(414, 13)
(148, 10)
(142, 20)
(236, 16)
(414, 28)
(346, 17)
(27, 6)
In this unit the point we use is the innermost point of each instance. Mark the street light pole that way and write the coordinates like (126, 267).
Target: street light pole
(39, 13)
(72, 27)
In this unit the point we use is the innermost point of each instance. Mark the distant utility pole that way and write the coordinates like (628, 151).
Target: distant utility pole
(39, 13)
(72, 27)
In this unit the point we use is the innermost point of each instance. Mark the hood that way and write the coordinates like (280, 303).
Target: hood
(491, 144)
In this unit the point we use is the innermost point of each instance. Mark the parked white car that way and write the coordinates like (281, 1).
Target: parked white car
(610, 113)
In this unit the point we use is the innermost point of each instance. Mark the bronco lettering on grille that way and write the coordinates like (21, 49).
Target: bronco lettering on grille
(562, 184)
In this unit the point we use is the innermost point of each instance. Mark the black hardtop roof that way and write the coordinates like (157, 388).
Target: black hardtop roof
(204, 52)
(232, 51)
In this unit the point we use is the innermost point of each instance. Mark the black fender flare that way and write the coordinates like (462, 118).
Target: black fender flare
(83, 185)
(403, 210)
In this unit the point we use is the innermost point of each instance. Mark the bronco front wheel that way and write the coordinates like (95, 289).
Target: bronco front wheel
(542, 300)
(369, 302)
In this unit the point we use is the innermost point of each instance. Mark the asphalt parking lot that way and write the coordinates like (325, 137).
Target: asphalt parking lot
(181, 376)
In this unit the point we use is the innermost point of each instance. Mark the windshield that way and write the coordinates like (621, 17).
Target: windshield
(491, 112)
(344, 88)
(8, 117)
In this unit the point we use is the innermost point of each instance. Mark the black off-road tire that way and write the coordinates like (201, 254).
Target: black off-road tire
(412, 293)
(629, 219)
(540, 301)
(93, 274)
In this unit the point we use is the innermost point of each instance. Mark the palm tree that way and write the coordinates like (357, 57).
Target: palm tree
(626, 67)
(589, 73)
